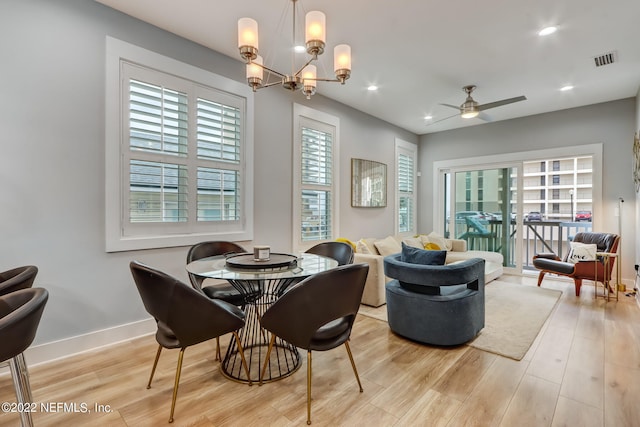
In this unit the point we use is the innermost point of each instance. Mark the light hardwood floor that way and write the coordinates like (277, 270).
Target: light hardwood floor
(582, 370)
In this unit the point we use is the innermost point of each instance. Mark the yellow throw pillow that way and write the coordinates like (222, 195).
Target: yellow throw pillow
(347, 241)
(432, 247)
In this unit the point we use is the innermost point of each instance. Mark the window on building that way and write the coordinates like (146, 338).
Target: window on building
(182, 151)
(315, 166)
(406, 160)
(556, 179)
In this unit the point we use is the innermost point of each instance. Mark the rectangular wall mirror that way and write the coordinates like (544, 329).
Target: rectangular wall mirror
(368, 184)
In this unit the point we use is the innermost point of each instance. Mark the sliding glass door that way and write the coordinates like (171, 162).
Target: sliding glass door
(481, 208)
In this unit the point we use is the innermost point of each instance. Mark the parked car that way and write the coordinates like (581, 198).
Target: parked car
(533, 216)
(583, 216)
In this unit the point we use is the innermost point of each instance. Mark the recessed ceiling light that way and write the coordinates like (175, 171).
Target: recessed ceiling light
(372, 88)
(566, 88)
(547, 30)
(428, 117)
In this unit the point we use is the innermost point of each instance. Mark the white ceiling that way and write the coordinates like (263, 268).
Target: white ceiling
(421, 52)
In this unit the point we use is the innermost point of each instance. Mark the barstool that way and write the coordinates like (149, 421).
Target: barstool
(20, 314)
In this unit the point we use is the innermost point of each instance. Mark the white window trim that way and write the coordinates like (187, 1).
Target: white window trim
(300, 111)
(411, 150)
(117, 50)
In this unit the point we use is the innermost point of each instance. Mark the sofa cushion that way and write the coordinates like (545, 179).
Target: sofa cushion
(362, 248)
(388, 246)
(420, 256)
(413, 242)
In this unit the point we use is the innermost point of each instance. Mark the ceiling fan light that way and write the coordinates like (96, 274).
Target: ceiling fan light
(469, 113)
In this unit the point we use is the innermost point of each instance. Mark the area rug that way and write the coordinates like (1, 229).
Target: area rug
(514, 315)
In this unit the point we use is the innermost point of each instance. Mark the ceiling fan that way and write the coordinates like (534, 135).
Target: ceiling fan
(470, 108)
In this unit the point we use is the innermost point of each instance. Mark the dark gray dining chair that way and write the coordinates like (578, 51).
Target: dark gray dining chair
(17, 278)
(20, 314)
(221, 290)
(340, 251)
(184, 316)
(317, 314)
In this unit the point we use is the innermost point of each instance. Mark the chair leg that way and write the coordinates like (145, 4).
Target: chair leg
(266, 360)
(176, 383)
(244, 361)
(578, 285)
(308, 387)
(353, 365)
(155, 364)
(218, 356)
(541, 276)
(20, 376)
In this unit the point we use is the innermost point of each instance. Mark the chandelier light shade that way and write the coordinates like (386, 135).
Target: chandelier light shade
(255, 72)
(309, 80)
(342, 62)
(305, 78)
(248, 38)
(314, 36)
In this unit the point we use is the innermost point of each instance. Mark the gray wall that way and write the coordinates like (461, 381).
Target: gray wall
(52, 163)
(610, 123)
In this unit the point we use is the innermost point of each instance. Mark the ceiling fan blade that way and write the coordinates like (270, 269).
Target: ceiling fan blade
(441, 120)
(485, 117)
(452, 106)
(501, 102)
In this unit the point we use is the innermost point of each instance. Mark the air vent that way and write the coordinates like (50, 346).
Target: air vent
(605, 59)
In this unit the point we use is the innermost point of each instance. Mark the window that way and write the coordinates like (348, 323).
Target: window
(316, 178)
(179, 166)
(406, 160)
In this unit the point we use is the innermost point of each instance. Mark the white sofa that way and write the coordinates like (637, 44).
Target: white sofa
(374, 290)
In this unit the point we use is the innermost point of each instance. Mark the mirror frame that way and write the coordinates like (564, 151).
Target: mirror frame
(368, 184)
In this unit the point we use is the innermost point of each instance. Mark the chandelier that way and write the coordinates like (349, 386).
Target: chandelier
(305, 78)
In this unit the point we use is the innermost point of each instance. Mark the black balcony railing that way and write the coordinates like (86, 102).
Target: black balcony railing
(539, 236)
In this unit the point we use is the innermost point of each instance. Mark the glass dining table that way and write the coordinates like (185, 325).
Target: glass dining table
(261, 283)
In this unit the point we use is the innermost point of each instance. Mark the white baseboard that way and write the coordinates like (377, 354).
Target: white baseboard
(55, 350)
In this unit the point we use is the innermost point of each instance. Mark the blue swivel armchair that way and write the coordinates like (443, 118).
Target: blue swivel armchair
(435, 304)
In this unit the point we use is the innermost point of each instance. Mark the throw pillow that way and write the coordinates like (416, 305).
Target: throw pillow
(432, 247)
(362, 248)
(387, 246)
(440, 241)
(414, 242)
(413, 255)
(582, 252)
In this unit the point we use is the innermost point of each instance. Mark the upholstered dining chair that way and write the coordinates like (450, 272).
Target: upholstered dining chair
(20, 313)
(17, 278)
(589, 270)
(340, 251)
(184, 316)
(311, 317)
(217, 290)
